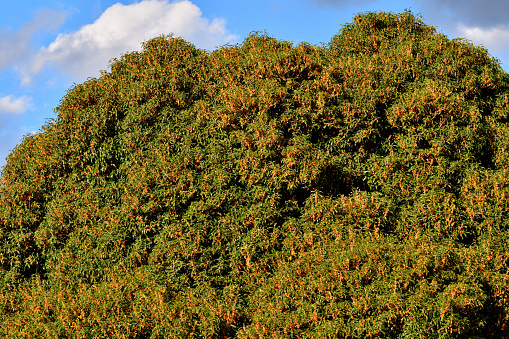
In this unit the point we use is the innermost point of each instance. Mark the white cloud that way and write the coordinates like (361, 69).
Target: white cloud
(11, 105)
(495, 39)
(122, 28)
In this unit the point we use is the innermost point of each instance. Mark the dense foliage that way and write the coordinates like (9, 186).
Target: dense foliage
(353, 190)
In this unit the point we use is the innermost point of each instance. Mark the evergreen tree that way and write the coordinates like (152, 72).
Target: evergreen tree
(353, 190)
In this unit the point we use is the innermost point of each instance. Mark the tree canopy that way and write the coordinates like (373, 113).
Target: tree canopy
(354, 190)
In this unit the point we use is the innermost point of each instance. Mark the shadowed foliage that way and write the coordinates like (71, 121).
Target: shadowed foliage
(353, 190)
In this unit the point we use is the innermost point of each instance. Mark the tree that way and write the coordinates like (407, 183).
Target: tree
(357, 189)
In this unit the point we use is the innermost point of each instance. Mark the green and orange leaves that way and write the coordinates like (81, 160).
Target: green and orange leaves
(431, 103)
(267, 189)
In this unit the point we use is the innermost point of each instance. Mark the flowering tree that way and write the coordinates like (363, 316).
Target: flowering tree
(357, 189)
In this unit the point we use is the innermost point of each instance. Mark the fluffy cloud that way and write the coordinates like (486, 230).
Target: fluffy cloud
(11, 105)
(10, 132)
(495, 39)
(122, 28)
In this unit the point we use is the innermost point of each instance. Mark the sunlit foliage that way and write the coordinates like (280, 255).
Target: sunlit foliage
(267, 190)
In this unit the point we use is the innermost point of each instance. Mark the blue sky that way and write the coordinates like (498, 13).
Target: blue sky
(47, 46)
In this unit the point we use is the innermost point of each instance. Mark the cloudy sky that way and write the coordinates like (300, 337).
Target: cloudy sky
(46, 46)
